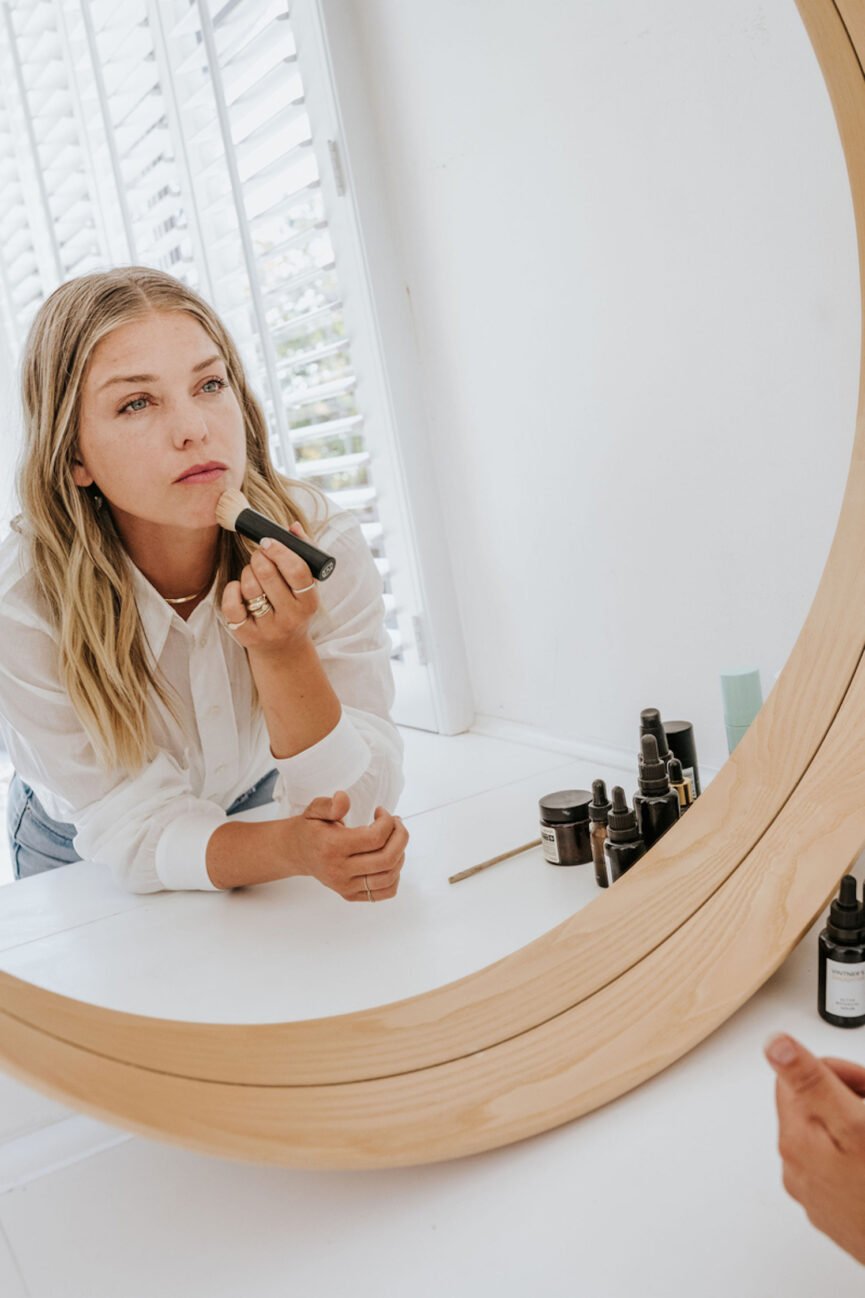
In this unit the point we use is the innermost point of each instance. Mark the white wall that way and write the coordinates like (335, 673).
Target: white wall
(627, 237)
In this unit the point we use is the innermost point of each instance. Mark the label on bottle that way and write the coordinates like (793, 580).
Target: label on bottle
(550, 844)
(845, 989)
(690, 776)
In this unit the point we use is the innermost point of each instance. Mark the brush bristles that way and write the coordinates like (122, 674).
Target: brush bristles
(230, 504)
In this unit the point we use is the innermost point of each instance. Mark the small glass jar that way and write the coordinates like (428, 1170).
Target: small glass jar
(565, 835)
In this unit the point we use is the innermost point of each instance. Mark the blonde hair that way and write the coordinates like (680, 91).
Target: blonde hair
(78, 558)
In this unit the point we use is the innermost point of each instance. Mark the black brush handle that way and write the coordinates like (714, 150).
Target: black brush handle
(255, 526)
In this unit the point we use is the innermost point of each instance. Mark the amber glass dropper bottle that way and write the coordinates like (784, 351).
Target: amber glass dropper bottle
(599, 810)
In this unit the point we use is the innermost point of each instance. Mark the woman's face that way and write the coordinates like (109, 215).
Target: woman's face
(156, 403)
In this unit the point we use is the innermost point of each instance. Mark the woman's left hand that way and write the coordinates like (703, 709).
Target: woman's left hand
(821, 1130)
(291, 590)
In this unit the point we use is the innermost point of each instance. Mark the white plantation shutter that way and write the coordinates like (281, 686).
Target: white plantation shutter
(176, 133)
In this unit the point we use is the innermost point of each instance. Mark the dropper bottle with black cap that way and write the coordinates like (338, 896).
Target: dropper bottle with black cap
(599, 810)
(841, 964)
(656, 804)
(623, 846)
(651, 724)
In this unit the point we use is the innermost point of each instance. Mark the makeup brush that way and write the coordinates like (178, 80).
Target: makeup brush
(234, 514)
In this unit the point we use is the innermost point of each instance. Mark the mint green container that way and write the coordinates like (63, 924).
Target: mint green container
(742, 696)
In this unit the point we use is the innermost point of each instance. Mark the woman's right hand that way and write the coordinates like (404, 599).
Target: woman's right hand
(318, 843)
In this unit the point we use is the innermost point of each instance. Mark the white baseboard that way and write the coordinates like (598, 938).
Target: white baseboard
(514, 732)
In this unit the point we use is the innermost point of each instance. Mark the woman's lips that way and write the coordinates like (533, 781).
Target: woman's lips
(209, 475)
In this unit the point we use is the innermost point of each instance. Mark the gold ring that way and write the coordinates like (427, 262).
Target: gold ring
(369, 895)
(234, 626)
(303, 589)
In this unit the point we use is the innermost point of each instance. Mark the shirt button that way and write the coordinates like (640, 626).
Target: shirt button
(215, 711)
(220, 768)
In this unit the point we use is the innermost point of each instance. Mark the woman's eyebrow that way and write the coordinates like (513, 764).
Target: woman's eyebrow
(154, 378)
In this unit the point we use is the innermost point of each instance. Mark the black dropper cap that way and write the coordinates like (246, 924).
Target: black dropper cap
(675, 772)
(652, 774)
(651, 724)
(600, 805)
(846, 918)
(621, 822)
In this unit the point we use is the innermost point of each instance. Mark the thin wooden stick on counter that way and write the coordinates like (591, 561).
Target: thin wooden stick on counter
(485, 865)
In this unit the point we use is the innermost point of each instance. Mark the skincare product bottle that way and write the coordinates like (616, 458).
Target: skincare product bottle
(623, 847)
(680, 737)
(742, 695)
(599, 808)
(651, 724)
(656, 805)
(841, 971)
(565, 827)
(681, 785)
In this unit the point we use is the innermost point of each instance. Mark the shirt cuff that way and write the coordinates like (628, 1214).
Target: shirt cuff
(181, 852)
(335, 762)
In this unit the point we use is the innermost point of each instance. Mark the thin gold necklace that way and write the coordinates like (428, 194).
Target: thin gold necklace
(184, 599)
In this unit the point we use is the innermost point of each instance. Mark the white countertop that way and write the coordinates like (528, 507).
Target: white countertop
(672, 1189)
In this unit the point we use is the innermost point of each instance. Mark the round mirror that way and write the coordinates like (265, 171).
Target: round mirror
(628, 241)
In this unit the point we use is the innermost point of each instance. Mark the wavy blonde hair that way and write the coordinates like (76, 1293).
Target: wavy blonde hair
(77, 555)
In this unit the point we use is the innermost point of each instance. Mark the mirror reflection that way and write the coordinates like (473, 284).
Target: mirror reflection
(524, 320)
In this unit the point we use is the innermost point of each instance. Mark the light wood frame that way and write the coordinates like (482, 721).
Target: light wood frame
(579, 1016)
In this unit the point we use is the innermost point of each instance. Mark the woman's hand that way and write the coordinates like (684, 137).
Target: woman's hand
(821, 1122)
(361, 864)
(281, 575)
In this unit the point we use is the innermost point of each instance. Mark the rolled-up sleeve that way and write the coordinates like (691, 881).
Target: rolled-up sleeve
(363, 754)
(149, 829)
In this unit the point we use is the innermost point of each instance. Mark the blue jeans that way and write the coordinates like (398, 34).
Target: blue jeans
(37, 843)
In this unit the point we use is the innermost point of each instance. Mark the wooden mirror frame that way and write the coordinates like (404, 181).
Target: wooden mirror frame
(600, 1003)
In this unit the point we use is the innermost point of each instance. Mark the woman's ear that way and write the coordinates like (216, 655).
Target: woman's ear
(80, 476)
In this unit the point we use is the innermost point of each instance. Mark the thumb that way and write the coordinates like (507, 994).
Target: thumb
(809, 1079)
(335, 808)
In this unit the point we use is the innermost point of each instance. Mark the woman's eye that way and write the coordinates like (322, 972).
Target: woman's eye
(137, 403)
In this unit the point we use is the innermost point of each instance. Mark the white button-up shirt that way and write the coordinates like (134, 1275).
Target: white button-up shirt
(152, 830)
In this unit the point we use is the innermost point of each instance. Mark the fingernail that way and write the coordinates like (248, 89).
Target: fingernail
(265, 542)
(781, 1049)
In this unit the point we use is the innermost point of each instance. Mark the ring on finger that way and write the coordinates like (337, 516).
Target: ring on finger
(260, 606)
(235, 626)
(369, 895)
(303, 589)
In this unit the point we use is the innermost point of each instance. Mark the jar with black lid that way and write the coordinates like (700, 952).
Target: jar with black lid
(565, 834)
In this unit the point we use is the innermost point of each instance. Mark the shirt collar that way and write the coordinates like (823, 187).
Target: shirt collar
(158, 617)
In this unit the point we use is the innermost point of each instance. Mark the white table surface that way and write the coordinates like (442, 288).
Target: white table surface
(672, 1189)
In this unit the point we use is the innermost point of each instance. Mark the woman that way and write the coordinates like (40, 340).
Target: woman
(157, 673)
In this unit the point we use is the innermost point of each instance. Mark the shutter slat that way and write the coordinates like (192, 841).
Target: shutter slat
(328, 428)
(312, 357)
(334, 464)
(283, 291)
(302, 322)
(322, 392)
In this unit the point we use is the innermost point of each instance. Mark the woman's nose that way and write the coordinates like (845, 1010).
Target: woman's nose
(188, 424)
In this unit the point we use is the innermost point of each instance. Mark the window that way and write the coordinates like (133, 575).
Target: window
(177, 134)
